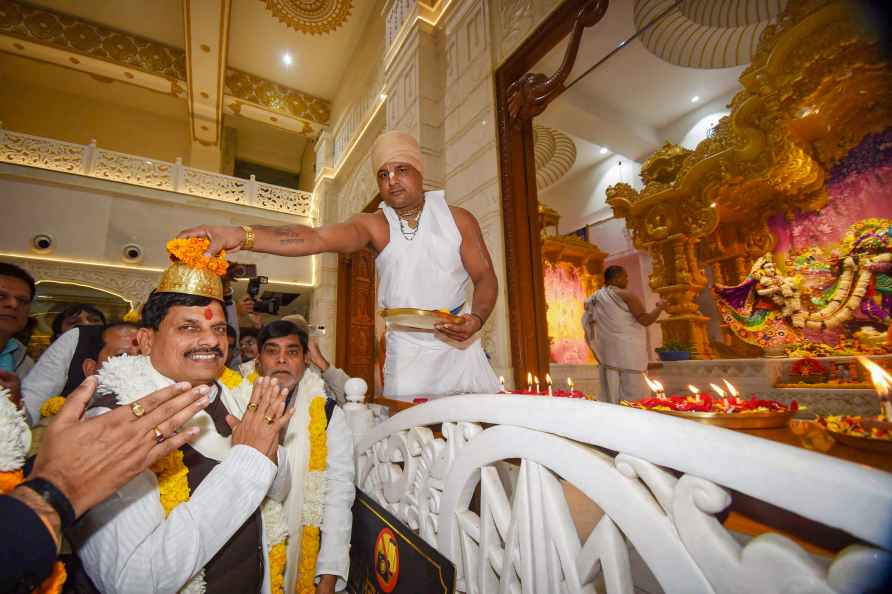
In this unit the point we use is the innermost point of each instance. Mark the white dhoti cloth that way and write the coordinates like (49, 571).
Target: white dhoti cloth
(426, 272)
(619, 342)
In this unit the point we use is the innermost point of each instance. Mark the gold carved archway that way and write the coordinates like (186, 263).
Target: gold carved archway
(817, 85)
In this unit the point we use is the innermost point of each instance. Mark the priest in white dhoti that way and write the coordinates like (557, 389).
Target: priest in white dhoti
(193, 522)
(429, 255)
(614, 322)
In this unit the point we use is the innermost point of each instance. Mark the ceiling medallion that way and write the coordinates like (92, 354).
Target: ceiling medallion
(315, 17)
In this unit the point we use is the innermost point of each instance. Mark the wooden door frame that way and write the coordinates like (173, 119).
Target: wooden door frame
(521, 95)
(343, 309)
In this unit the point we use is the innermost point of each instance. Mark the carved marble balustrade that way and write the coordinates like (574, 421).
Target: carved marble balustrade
(660, 481)
(92, 161)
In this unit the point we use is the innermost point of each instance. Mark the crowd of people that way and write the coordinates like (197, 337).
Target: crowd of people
(192, 455)
(85, 456)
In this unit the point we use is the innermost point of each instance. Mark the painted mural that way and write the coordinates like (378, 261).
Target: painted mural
(565, 297)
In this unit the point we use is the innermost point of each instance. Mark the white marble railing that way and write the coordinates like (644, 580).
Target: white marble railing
(659, 494)
(398, 13)
(92, 161)
(355, 119)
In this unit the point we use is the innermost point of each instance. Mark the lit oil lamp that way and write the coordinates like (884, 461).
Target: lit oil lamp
(548, 381)
(536, 381)
(570, 384)
(696, 392)
(656, 387)
(529, 381)
(720, 393)
(882, 381)
(502, 382)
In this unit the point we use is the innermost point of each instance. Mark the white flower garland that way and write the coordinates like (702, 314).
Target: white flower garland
(275, 526)
(15, 436)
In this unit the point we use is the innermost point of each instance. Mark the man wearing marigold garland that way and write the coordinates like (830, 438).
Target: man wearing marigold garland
(193, 523)
(428, 253)
(324, 500)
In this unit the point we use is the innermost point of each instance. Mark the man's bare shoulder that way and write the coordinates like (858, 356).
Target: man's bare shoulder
(375, 224)
(463, 218)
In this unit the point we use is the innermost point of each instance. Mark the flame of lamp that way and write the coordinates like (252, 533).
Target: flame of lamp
(731, 389)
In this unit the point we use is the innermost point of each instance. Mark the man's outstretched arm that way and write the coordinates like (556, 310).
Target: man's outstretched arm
(289, 240)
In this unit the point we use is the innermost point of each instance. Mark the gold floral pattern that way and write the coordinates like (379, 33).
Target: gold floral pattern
(315, 17)
(275, 97)
(91, 39)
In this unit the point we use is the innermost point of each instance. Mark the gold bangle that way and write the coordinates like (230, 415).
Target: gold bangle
(248, 243)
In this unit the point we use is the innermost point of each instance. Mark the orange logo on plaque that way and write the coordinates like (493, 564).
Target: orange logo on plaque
(387, 560)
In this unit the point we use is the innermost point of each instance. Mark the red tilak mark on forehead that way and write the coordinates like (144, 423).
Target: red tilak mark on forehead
(208, 314)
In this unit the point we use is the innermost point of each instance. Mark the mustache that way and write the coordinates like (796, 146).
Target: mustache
(214, 350)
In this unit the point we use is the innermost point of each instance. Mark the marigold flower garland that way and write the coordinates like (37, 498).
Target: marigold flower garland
(314, 493)
(51, 407)
(191, 252)
(15, 438)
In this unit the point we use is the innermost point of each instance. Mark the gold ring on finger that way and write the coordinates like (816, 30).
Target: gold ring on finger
(138, 409)
(269, 420)
(252, 407)
(159, 437)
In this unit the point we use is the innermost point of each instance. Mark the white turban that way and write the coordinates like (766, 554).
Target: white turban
(399, 147)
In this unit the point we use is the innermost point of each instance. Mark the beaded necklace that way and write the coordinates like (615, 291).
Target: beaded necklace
(410, 222)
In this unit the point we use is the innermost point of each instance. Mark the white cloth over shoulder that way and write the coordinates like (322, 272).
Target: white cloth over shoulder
(619, 342)
(427, 273)
(50, 374)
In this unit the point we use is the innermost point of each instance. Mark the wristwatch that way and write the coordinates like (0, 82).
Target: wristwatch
(248, 243)
(55, 498)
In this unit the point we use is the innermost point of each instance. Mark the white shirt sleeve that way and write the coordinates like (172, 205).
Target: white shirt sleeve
(49, 375)
(127, 545)
(337, 517)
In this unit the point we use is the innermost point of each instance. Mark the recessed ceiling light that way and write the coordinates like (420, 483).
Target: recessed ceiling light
(695, 98)
(604, 150)
(287, 59)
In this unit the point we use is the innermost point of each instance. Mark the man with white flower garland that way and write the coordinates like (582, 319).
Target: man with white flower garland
(318, 498)
(193, 523)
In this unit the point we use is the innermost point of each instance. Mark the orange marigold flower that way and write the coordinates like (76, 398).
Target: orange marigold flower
(10, 479)
(53, 584)
(191, 252)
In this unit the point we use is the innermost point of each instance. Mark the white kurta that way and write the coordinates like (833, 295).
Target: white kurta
(427, 273)
(127, 545)
(50, 374)
(619, 342)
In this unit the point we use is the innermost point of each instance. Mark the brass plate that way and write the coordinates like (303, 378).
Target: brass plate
(422, 319)
(863, 443)
(769, 420)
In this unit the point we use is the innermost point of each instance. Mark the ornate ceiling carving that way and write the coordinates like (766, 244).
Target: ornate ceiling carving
(83, 37)
(706, 33)
(77, 38)
(555, 154)
(316, 17)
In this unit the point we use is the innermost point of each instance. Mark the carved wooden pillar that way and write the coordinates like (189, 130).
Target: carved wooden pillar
(521, 95)
(670, 229)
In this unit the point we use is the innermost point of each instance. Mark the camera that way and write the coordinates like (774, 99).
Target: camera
(268, 305)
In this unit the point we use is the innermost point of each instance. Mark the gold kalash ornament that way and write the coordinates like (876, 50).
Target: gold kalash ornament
(192, 273)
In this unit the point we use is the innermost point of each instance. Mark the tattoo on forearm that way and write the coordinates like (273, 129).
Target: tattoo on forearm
(287, 235)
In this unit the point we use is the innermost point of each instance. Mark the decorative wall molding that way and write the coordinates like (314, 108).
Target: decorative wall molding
(112, 55)
(91, 161)
(249, 88)
(132, 284)
(353, 123)
(79, 36)
(316, 17)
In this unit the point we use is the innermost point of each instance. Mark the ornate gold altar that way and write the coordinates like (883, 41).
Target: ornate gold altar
(816, 88)
(573, 270)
